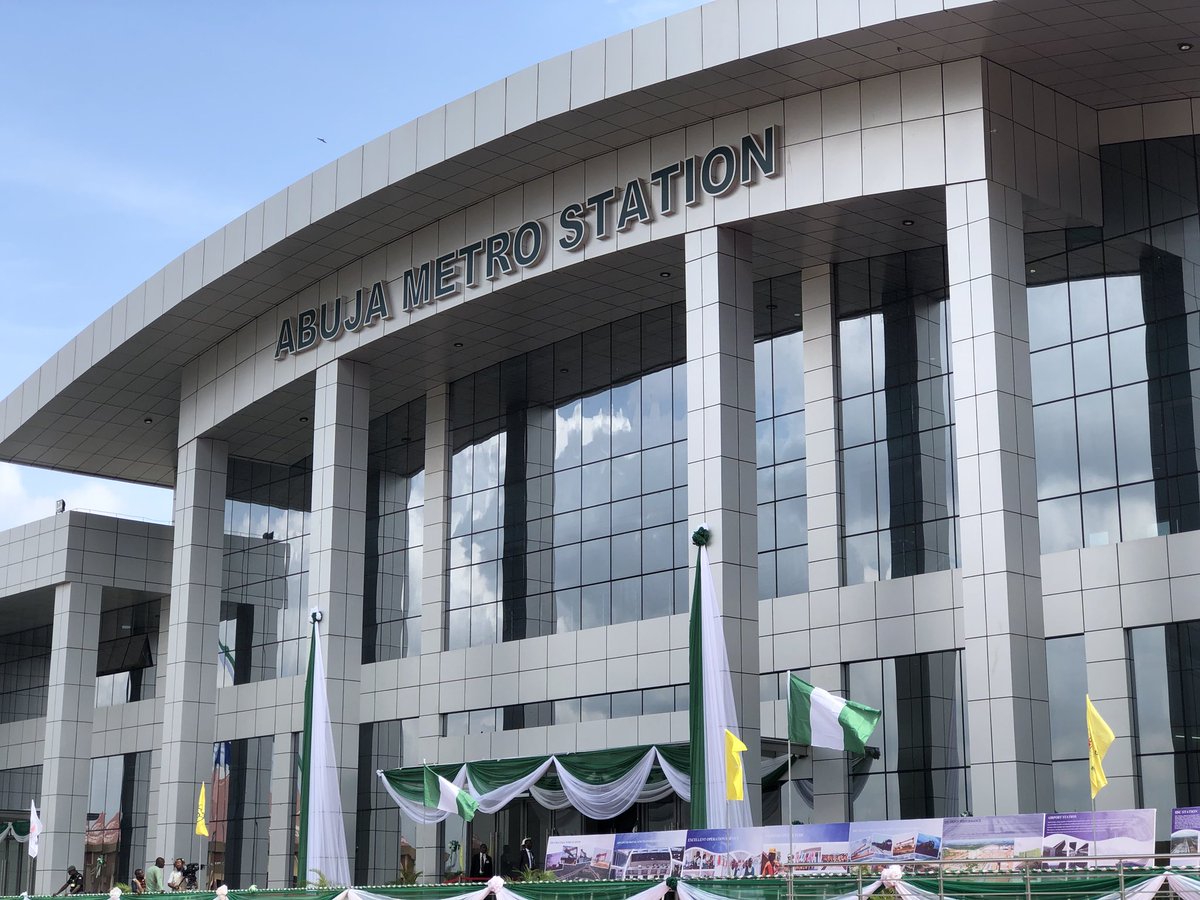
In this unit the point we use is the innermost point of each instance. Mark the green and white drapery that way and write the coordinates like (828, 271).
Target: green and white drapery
(17, 831)
(601, 784)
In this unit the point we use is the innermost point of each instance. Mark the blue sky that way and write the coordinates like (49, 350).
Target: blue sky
(132, 130)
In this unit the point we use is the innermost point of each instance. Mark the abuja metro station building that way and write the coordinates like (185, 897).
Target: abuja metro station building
(898, 296)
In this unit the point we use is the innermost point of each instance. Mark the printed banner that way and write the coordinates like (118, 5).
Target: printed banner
(586, 857)
(1185, 836)
(992, 843)
(978, 844)
(1122, 835)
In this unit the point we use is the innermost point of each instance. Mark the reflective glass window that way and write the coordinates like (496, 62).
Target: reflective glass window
(1114, 388)
(264, 627)
(781, 450)
(898, 473)
(1166, 691)
(568, 482)
(917, 766)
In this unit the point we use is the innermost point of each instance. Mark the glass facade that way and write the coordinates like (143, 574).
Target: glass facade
(114, 842)
(264, 627)
(1066, 674)
(571, 710)
(18, 788)
(921, 770)
(384, 838)
(24, 674)
(395, 535)
(239, 812)
(568, 485)
(780, 438)
(127, 656)
(1114, 330)
(1166, 690)
(897, 442)
(1115, 358)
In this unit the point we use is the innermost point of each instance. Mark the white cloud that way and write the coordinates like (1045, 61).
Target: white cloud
(29, 494)
(52, 168)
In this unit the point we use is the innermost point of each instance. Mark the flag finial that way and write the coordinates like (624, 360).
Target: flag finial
(315, 615)
(701, 536)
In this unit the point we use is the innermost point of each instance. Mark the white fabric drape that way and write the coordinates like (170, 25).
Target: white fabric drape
(606, 801)
(1185, 886)
(690, 891)
(10, 832)
(326, 854)
(556, 799)
(599, 801)
(1143, 891)
(678, 780)
(719, 710)
(502, 889)
(496, 800)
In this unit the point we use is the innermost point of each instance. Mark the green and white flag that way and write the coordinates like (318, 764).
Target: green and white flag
(322, 847)
(817, 718)
(443, 794)
(711, 710)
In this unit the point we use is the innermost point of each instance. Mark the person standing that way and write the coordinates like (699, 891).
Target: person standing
(527, 859)
(138, 883)
(73, 884)
(154, 877)
(176, 880)
(481, 863)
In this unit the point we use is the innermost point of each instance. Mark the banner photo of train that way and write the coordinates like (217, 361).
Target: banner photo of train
(974, 844)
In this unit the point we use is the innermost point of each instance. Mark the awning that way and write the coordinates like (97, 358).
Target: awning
(601, 784)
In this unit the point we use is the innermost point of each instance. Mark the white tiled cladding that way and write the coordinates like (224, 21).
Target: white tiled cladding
(82, 547)
(1101, 592)
(248, 371)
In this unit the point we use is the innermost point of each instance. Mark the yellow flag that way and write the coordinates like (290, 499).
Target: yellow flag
(201, 825)
(1100, 738)
(734, 779)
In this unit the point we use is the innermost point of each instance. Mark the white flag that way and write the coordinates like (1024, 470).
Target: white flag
(35, 830)
(322, 832)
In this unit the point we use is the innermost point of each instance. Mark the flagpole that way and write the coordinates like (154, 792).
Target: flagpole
(790, 790)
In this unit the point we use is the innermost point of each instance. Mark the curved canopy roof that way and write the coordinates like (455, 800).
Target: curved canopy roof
(107, 403)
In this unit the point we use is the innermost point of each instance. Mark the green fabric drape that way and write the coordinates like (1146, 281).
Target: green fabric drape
(487, 776)
(591, 766)
(410, 782)
(602, 766)
(1044, 886)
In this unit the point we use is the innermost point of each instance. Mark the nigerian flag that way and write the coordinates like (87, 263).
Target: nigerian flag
(710, 706)
(443, 794)
(817, 718)
(322, 846)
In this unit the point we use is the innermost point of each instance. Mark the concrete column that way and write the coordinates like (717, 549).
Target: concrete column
(1005, 655)
(722, 468)
(337, 561)
(436, 545)
(70, 704)
(190, 695)
(822, 391)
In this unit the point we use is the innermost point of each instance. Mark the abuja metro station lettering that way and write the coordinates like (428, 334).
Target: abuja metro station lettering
(664, 192)
(718, 172)
(329, 320)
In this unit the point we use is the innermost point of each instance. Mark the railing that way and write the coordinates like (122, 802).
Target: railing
(1025, 876)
